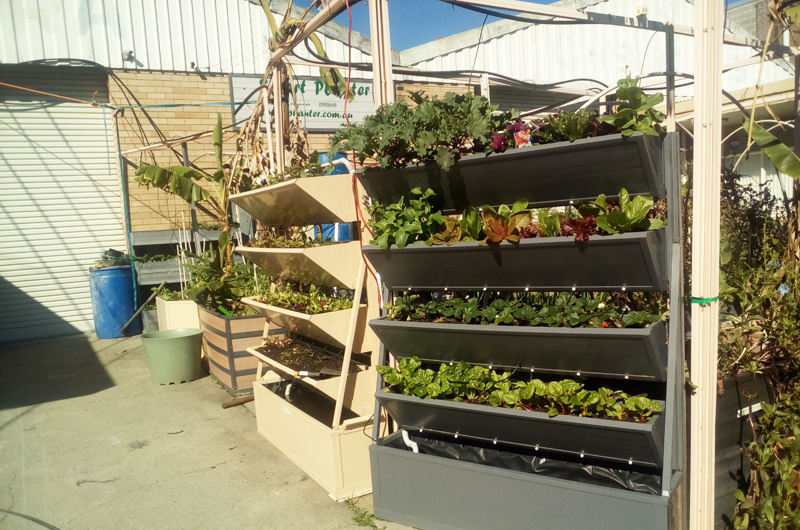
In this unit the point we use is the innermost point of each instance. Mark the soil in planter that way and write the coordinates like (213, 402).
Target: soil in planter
(299, 356)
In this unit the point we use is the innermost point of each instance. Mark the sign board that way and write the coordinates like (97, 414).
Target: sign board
(319, 110)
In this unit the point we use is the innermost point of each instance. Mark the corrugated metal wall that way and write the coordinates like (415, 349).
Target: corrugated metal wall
(548, 53)
(227, 36)
(60, 208)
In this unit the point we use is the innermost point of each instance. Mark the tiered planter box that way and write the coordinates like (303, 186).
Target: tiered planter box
(450, 490)
(310, 200)
(330, 328)
(335, 265)
(225, 343)
(589, 352)
(303, 425)
(546, 175)
(635, 261)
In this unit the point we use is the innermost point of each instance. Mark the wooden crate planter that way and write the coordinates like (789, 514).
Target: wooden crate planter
(225, 343)
(546, 175)
(639, 354)
(634, 261)
(335, 265)
(177, 314)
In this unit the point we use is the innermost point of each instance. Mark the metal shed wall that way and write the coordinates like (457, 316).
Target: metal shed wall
(219, 36)
(60, 207)
(545, 53)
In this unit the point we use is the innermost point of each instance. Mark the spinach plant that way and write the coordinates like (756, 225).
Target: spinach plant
(638, 112)
(476, 384)
(401, 225)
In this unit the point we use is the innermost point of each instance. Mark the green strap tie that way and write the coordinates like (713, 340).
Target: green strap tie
(704, 301)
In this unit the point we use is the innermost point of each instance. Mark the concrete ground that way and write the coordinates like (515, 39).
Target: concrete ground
(87, 441)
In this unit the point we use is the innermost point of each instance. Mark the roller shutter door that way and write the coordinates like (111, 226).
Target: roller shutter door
(60, 207)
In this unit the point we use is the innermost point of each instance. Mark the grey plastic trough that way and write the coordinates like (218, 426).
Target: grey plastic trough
(618, 441)
(546, 175)
(435, 493)
(635, 261)
(631, 353)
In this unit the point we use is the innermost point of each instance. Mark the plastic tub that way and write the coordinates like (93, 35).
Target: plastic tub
(173, 355)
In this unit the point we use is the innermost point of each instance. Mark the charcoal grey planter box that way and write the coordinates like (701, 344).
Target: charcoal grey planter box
(150, 320)
(155, 272)
(434, 493)
(635, 260)
(623, 442)
(635, 353)
(546, 175)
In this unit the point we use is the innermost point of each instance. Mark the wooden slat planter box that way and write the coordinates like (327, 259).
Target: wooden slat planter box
(546, 175)
(225, 343)
(589, 352)
(634, 261)
(303, 201)
(621, 442)
(335, 265)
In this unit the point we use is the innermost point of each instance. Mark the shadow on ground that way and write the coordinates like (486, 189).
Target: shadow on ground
(36, 372)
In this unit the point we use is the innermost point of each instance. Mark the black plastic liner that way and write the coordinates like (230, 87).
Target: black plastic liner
(309, 400)
(536, 465)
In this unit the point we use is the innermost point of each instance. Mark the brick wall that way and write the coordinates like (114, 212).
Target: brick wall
(153, 209)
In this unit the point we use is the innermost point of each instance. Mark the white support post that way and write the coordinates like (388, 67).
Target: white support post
(708, 32)
(383, 81)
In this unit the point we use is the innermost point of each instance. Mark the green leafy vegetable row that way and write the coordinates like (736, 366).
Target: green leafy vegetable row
(443, 130)
(476, 384)
(311, 302)
(401, 224)
(588, 310)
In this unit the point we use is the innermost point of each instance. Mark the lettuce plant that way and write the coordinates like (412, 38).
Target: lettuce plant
(631, 215)
(451, 233)
(402, 224)
(638, 112)
(476, 384)
(504, 223)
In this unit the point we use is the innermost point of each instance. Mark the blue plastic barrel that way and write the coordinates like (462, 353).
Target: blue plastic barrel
(345, 230)
(112, 301)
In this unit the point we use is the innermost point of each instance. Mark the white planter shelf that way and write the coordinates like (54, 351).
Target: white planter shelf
(335, 265)
(330, 328)
(303, 201)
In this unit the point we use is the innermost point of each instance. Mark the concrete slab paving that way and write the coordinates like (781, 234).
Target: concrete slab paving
(87, 441)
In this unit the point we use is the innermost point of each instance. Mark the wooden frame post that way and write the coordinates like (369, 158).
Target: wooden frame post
(382, 81)
(709, 29)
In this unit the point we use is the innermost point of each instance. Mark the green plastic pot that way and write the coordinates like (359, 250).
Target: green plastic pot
(173, 355)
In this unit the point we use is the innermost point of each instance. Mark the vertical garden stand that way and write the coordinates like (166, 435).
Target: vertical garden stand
(322, 425)
(447, 490)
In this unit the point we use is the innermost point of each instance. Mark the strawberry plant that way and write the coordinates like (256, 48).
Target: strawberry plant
(402, 224)
(476, 384)
(531, 309)
(504, 223)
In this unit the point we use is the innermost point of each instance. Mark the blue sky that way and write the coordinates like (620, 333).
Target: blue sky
(415, 22)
